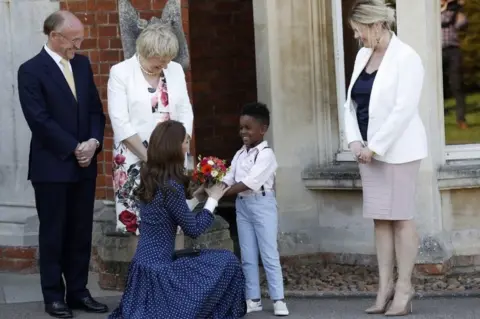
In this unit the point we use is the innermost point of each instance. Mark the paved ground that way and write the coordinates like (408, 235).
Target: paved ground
(461, 308)
(16, 288)
(20, 298)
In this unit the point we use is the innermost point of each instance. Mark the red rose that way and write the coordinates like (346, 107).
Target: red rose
(119, 159)
(129, 219)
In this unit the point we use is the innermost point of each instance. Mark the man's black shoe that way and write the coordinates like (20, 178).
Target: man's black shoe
(58, 309)
(88, 304)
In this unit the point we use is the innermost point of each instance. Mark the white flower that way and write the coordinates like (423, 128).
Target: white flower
(210, 162)
(214, 174)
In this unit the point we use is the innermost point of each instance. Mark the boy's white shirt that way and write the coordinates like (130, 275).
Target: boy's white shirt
(253, 173)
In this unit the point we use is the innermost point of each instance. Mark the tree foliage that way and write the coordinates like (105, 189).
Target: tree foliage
(470, 44)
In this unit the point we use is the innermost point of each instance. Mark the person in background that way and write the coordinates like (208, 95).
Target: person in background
(251, 177)
(386, 135)
(143, 91)
(209, 284)
(454, 20)
(64, 112)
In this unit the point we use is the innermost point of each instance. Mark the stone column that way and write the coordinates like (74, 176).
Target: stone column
(418, 25)
(294, 57)
(22, 38)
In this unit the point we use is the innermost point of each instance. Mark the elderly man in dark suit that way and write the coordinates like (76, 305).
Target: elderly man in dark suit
(64, 112)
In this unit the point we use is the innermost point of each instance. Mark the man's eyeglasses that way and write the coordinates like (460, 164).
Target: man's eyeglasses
(76, 42)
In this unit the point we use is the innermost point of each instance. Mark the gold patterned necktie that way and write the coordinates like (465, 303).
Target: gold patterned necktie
(68, 76)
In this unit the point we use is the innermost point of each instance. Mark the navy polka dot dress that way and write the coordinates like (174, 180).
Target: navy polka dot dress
(210, 285)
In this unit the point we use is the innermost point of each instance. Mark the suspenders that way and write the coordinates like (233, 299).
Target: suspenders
(254, 160)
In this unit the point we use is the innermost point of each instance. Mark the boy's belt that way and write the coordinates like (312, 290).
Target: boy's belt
(263, 192)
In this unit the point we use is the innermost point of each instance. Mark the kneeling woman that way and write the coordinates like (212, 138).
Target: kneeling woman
(210, 285)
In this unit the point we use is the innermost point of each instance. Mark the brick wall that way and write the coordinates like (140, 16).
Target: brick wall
(222, 48)
(104, 48)
(18, 259)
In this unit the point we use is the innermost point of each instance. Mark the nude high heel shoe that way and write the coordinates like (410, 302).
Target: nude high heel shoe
(385, 255)
(379, 306)
(395, 311)
(406, 249)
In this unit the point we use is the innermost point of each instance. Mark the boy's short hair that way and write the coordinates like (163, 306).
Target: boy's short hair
(258, 111)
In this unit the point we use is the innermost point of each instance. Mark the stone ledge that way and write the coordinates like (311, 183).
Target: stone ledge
(459, 176)
(18, 225)
(216, 236)
(346, 176)
(339, 175)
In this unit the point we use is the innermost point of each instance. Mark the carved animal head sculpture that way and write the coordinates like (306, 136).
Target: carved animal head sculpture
(131, 25)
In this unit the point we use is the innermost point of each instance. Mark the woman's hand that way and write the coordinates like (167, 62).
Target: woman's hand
(217, 191)
(200, 193)
(356, 149)
(366, 155)
(136, 146)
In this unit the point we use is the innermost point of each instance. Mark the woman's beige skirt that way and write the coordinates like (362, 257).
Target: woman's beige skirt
(389, 190)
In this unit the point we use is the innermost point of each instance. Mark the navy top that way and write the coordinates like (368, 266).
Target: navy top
(361, 91)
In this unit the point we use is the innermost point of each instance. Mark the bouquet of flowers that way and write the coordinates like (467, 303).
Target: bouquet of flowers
(209, 170)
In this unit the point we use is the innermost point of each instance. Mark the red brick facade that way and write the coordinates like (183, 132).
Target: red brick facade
(221, 42)
(18, 259)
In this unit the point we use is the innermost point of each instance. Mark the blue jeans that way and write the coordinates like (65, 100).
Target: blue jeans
(257, 224)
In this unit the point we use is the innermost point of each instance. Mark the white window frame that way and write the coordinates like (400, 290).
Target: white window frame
(462, 152)
(452, 152)
(339, 54)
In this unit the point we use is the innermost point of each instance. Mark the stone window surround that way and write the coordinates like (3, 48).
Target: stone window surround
(451, 152)
(346, 176)
(458, 166)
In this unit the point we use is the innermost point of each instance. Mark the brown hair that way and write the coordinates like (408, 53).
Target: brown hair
(165, 161)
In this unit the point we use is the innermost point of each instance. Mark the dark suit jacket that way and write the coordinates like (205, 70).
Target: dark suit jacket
(57, 121)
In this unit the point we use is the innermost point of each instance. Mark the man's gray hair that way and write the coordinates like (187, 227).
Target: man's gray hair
(157, 40)
(53, 22)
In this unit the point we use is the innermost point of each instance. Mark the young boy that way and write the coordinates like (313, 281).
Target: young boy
(251, 177)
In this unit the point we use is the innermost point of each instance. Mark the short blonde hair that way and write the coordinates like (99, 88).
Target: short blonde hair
(157, 40)
(368, 12)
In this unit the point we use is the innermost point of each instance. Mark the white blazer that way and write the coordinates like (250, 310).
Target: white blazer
(130, 111)
(395, 131)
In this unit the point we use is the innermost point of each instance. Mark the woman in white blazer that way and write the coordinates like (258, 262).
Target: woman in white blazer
(387, 137)
(143, 91)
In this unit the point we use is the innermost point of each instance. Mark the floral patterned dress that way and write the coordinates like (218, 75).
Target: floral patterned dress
(126, 165)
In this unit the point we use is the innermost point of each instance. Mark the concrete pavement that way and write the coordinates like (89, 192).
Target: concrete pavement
(437, 308)
(20, 298)
(18, 288)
